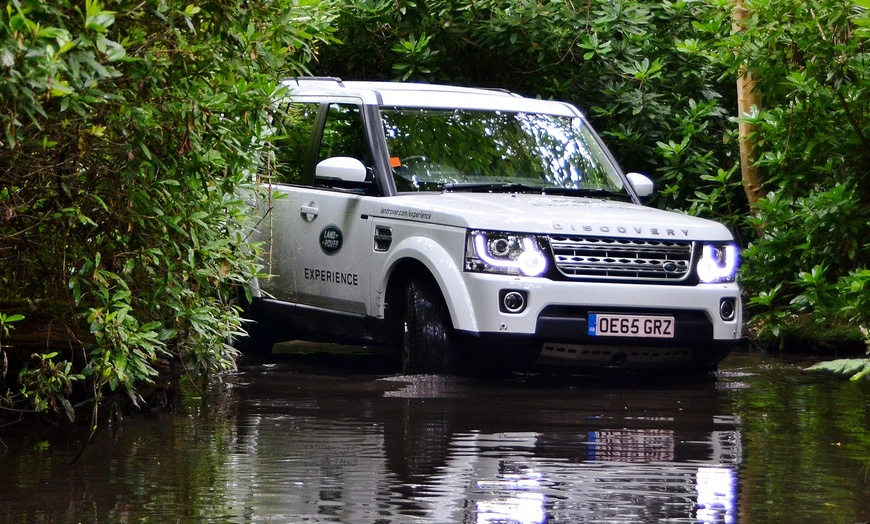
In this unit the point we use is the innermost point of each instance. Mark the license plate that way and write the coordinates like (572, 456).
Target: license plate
(606, 325)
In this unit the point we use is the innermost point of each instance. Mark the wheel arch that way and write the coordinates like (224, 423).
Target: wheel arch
(423, 257)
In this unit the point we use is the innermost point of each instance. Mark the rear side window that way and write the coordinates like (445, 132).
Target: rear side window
(294, 127)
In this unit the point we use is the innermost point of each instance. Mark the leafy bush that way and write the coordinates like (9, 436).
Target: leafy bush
(131, 131)
(810, 60)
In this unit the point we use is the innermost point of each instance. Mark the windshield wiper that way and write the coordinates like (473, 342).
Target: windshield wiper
(513, 187)
(490, 187)
(585, 192)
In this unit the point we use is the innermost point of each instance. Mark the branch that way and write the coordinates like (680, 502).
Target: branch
(854, 123)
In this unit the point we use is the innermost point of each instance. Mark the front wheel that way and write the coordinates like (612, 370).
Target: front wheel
(428, 343)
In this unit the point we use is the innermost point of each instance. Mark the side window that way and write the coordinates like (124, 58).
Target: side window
(294, 125)
(344, 134)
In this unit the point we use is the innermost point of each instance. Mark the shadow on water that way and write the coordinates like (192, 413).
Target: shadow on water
(324, 436)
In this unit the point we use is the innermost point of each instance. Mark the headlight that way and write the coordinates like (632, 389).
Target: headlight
(718, 263)
(505, 253)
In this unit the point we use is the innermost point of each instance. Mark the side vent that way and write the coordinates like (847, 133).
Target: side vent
(383, 238)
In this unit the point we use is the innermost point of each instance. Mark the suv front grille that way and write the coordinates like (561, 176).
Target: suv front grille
(618, 258)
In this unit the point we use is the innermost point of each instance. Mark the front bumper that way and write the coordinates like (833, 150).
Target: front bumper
(554, 322)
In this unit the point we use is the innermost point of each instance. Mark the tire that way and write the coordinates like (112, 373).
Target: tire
(427, 341)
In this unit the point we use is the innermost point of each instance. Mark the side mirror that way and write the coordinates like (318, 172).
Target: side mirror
(342, 168)
(642, 184)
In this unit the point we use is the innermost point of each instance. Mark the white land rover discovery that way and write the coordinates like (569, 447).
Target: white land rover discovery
(473, 227)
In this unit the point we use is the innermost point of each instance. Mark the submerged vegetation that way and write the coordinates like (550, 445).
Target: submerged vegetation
(129, 130)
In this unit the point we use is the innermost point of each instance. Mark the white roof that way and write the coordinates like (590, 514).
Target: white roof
(408, 94)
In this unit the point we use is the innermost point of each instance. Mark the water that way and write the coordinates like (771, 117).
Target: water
(304, 440)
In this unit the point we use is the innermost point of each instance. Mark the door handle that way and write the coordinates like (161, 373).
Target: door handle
(310, 211)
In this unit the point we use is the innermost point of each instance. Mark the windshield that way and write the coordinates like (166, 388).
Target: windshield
(460, 149)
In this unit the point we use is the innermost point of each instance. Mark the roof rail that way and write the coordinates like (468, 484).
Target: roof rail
(502, 90)
(319, 78)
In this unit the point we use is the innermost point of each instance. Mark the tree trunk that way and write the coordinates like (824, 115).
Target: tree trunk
(748, 95)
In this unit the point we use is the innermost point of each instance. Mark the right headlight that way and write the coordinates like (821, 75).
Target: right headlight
(505, 253)
(718, 263)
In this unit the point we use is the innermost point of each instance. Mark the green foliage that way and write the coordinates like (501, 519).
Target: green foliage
(131, 133)
(48, 385)
(416, 59)
(6, 322)
(810, 60)
(852, 368)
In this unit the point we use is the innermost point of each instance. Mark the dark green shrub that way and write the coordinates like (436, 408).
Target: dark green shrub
(130, 131)
(811, 62)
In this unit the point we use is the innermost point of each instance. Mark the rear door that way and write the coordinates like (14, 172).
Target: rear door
(295, 129)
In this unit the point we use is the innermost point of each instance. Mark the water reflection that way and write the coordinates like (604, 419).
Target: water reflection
(290, 441)
(717, 495)
(438, 449)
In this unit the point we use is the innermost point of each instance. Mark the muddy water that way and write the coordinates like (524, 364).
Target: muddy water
(305, 440)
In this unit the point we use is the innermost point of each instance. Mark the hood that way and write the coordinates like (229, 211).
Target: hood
(524, 213)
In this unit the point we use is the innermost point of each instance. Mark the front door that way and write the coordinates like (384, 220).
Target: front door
(333, 250)
(333, 234)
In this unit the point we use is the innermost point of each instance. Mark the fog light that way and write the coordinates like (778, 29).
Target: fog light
(512, 301)
(727, 309)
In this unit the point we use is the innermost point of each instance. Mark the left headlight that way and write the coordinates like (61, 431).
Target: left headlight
(718, 263)
(504, 253)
